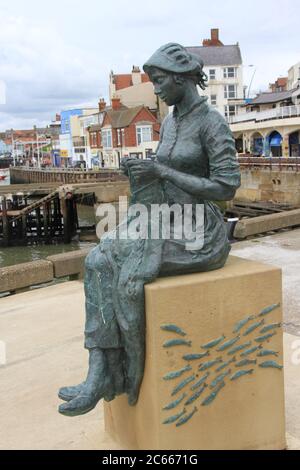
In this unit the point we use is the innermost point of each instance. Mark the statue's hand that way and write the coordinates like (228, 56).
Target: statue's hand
(146, 169)
(123, 164)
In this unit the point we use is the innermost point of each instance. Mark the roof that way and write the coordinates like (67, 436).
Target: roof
(266, 98)
(123, 117)
(120, 118)
(95, 127)
(218, 55)
(125, 80)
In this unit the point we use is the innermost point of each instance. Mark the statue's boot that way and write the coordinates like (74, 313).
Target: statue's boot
(96, 386)
(68, 393)
(83, 403)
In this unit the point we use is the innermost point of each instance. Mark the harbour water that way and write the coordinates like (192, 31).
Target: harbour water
(22, 254)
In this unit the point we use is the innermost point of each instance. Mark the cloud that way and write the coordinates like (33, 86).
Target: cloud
(42, 72)
(60, 56)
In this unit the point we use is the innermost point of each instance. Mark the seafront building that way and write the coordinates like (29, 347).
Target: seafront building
(223, 66)
(269, 125)
(4, 146)
(294, 76)
(123, 132)
(136, 89)
(31, 146)
(74, 147)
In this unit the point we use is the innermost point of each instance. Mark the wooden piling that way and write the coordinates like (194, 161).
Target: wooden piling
(5, 223)
(24, 228)
(38, 223)
(66, 216)
(46, 222)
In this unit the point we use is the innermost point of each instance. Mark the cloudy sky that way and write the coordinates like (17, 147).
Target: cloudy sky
(57, 55)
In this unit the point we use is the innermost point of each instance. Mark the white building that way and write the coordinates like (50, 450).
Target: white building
(82, 143)
(294, 77)
(135, 89)
(224, 68)
(270, 126)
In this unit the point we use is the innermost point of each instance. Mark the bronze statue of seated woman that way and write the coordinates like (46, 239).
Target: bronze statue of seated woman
(195, 164)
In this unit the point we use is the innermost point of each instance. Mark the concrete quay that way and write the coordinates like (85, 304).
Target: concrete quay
(42, 332)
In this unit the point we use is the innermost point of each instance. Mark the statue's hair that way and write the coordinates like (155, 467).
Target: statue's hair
(198, 76)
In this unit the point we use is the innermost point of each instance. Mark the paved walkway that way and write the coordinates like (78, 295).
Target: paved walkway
(43, 334)
(43, 329)
(282, 250)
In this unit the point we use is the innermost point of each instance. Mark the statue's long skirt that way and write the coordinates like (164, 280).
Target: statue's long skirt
(117, 270)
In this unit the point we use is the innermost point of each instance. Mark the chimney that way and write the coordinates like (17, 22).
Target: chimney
(116, 103)
(214, 39)
(214, 33)
(102, 105)
(57, 117)
(136, 75)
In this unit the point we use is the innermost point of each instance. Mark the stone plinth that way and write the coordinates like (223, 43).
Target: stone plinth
(247, 412)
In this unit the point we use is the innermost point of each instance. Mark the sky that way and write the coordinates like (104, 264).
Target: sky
(58, 55)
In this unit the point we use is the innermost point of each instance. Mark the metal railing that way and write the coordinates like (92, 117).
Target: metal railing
(277, 113)
(274, 163)
(50, 169)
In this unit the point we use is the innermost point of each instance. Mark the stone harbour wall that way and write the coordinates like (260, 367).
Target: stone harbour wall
(20, 277)
(269, 185)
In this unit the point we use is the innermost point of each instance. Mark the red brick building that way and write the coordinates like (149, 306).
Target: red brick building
(126, 80)
(124, 132)
(281, 84)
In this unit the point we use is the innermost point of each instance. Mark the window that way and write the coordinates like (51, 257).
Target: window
(230, 110)
(213, 100)
(67, 125)
(106, 138)
(143, 134)
(149, 153)
(136, 155)
(230, 91)
(94, 139)
(118, 137)
(229, 72)
(212, 74)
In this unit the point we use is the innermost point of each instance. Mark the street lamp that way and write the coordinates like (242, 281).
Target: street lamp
(13, 147)
(38, 150)
(251, 81)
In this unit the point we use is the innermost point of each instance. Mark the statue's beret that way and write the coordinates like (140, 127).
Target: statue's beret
(173, 57)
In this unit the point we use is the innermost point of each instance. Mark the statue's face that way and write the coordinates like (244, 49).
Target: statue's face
(165, 86)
